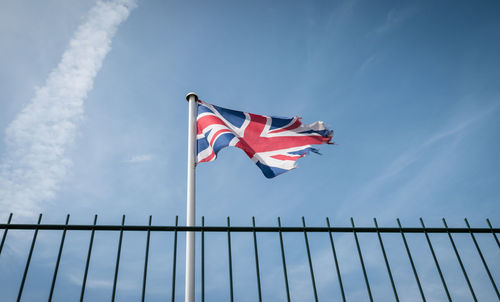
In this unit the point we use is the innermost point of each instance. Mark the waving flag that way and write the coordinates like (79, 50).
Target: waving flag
(274, 144)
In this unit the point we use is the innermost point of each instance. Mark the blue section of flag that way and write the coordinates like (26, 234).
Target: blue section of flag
(202, 143)
(269, 171)
(222, 141)
(203, 109)
(325, 132)
(279, 122)
(305, 151)
(236, 118)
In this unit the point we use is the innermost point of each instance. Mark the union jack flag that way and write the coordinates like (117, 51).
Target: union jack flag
(274, 144)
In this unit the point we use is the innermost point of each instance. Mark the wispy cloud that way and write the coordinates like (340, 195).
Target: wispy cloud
(394, 18)
(372, 59)
(139, 158)
(92, 283)
(407, 158)
(393, 171)
(101, 283)
(34, 162)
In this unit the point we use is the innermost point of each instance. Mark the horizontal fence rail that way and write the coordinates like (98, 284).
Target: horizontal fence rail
(82, 227)
(253, 230)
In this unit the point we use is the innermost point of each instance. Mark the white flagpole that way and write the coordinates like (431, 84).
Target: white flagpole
(192, 99)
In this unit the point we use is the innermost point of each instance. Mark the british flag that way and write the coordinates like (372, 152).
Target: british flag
(274, 144)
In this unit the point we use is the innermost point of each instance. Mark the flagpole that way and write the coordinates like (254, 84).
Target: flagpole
(192, 99)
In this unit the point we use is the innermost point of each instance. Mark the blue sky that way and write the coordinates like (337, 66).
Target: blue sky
(411, 89)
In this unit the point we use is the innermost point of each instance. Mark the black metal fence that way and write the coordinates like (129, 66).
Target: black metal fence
(256, 231)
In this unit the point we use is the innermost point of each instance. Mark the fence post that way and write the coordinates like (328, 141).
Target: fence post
(335, 258)
(386, 261)
(256, 259)
(361, 260)
(283, 260)
(58, 260)
(29, 259)
(435, 260)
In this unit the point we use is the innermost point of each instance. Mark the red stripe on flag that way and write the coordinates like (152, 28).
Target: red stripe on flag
(287, 157)
(207, 159)
(208, 120)
(245, 147)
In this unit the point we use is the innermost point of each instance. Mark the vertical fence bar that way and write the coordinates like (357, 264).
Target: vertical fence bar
(284, 261)
(29, 259)
(58, 260)
(118, 260)
(85, 274)
(174, 265)
(459, 260)
(386, 261)
(146, 260)
(435, 260)
(482, 259)
(335, 258)
(361, 260)
(491, 228)
(230, 260)
(310, 260)
(202, 258)
(411, 261)
(5, 233)
(256, 259)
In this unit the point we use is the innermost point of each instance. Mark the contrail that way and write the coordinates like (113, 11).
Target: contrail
(34, 161)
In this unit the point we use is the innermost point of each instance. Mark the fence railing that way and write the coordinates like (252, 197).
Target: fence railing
(254, 231)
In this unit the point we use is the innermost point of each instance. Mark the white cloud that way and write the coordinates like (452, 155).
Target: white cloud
(139, 158)
(35, 162)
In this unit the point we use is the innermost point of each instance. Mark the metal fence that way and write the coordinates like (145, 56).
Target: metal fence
(254, 231)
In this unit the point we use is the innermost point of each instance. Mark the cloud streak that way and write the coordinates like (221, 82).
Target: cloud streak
(139, 158)
(396, 168)
(394, 19)
(34, 162)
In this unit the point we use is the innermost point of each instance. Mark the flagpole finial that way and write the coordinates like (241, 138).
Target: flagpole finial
(191, 94)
